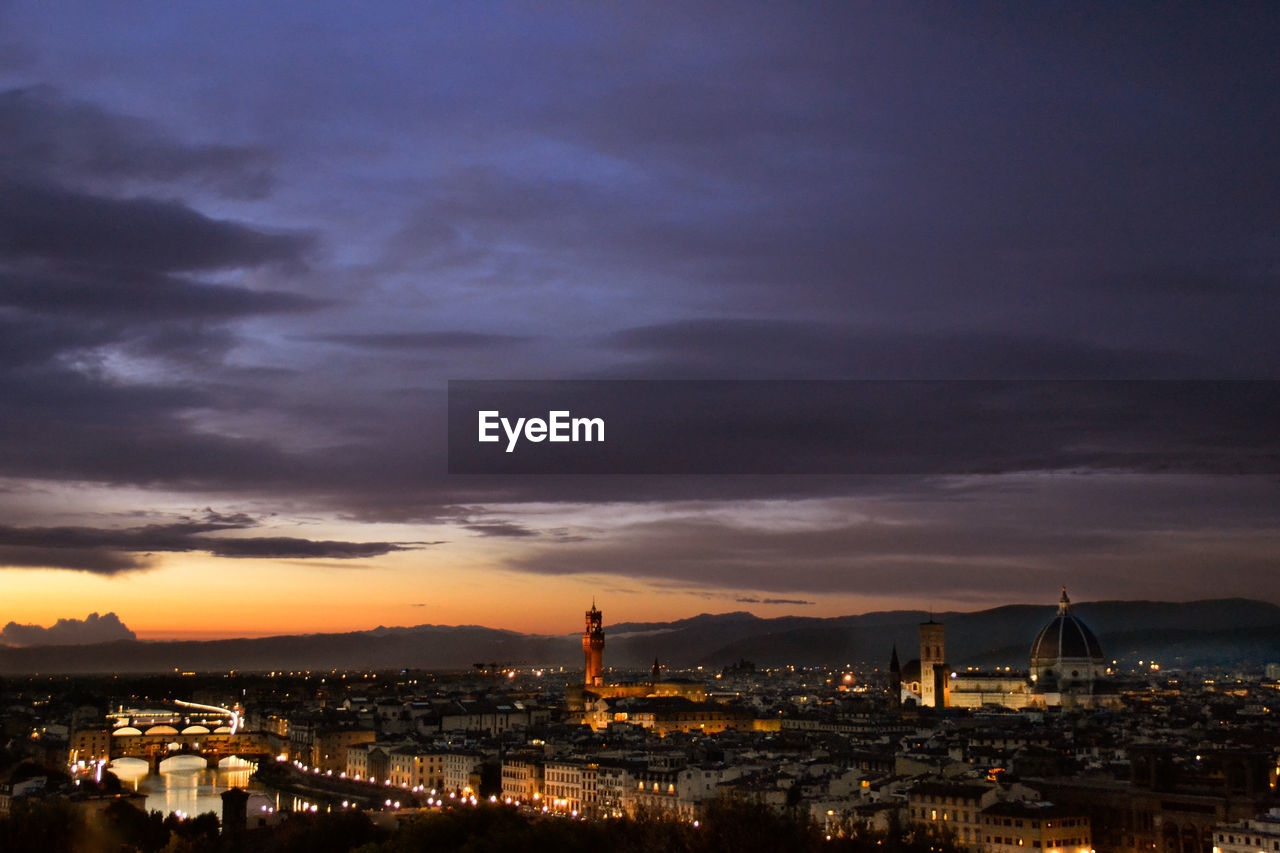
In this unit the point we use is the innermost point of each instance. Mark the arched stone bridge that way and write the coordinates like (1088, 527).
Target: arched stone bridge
(155, 746)
(176, 727)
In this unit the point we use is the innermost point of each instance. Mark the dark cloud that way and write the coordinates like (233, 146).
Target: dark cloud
(29, 341)
(874, 559)
(447, 340)
(101, 333)
(281, 546)
(76, 228)
(1110, 536)
(112, 550)
(87, 263)
(212, 278)
(724, 348)
(68, 632)
(1192, 282)
(138, 298)
(229, 519)
(796, 601)
(501, 528)
(98, 561)
(78, 143)
(64, 424)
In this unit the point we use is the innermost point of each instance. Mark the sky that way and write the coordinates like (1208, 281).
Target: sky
(244, 247)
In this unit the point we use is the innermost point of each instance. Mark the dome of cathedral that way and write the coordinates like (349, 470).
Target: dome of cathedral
(1066, 638)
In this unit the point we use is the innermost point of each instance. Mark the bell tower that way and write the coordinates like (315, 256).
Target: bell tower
(935, 681)
(593, 647)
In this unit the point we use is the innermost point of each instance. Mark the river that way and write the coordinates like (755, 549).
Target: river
(186, 786)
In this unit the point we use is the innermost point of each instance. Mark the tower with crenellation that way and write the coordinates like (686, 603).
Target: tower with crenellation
(593, 647)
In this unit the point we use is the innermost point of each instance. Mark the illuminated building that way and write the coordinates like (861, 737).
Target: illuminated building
(90, 745)
(682, 792)
(522, 778)
(953, 806)
(583, 698)
(1260, 835)
(667, 714)
(1066, 660)
(934, 681)
(593, 647)
(1067, 670)
(571, 786)
(325, 746)
(462, 770)
(926, 681)
(1013, 827)
(410, 766)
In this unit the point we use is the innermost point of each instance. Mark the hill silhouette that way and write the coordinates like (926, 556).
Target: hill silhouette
(1211, 632)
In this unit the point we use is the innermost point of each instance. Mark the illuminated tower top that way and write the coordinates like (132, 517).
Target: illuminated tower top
(593, 647)
(932, 643)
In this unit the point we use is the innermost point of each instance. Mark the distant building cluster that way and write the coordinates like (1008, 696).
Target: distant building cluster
(1067, 670)
(661, 705)
(1070, 755)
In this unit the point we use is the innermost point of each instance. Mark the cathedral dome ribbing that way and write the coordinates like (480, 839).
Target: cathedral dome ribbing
(1065, 640)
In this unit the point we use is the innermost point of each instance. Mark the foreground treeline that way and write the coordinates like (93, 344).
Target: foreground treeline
(729, 827)
(61, 826)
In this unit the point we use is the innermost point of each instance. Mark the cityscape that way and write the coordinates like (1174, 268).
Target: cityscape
(709, 427)
(1065, 750)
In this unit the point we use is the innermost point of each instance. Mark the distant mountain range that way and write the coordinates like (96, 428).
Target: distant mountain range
(1233, 632)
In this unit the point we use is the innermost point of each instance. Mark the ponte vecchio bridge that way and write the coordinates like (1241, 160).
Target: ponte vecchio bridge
(182, 728)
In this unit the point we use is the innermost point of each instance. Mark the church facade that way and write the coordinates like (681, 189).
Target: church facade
(1067, 670)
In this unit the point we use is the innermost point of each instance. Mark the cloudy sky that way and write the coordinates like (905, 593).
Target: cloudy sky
(244, 246)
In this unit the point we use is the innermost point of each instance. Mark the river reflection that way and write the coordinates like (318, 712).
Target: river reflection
(186, 785)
